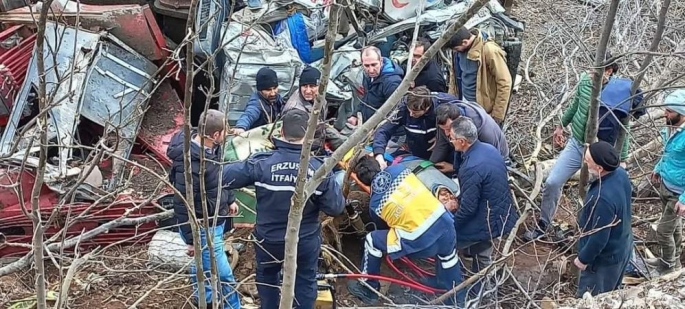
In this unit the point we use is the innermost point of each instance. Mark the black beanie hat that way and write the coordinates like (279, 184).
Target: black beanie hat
(266, 78)
(310, 76)
(604, 155)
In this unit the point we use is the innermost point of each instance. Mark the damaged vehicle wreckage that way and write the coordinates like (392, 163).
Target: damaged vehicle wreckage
(115, 83)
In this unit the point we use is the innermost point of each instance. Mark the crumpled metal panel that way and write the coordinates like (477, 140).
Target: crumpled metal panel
(442, 16)
(117, 91)
(74, 51)
(238, 83)
(397, 10)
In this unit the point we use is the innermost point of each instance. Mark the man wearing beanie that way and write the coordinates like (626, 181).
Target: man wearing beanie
(264, 106)
(606, 238)
(669, 176)
(304, 101)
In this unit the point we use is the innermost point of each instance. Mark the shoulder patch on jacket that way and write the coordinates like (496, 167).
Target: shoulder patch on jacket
(381, 182)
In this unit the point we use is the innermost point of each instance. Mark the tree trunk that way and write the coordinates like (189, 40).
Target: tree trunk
(392, 101)
(660, 26)
(299, 198)
(42, 124)
(591, 127)
(187, 102)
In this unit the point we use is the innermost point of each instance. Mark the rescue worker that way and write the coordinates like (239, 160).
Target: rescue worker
(417, 116)
(616, 94)
(486, 210)
(669, 175)
(488, 132)
(418, 225)
(264, 106)
(215, 130)
(606, 239)
(274, 174)
(431, 75)
(481, 72)
(382, 77)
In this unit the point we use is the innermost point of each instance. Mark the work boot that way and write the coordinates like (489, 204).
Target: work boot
(663, 267)
(533, 234)
(359, 290)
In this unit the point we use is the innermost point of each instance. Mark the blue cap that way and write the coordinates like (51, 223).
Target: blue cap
(676, 101)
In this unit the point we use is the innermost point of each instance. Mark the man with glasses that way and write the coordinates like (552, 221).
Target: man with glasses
(417, 116)
(485, 208)
(381, 79)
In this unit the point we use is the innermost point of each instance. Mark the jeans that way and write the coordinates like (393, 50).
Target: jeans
(600, 279)
(227, 295)
(669, 231)
(569, 162)
(270, 257)
(448, 269)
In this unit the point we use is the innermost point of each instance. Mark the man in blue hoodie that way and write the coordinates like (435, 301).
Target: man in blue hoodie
(381, 79)
(264, 106)
(417, 116)
(606, 236)
(274, 174)
(209, 143)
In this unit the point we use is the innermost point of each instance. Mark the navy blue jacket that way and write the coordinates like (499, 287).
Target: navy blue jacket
(212, 177)
(607, 202)
(432, 77)
(274, 174)
(486, 209)
(378, 91)
(259, 112)
(420, 131)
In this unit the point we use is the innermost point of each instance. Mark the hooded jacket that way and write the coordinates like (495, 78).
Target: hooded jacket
(488, 132)
(274, 175)
(211, 177)
(432, 77)
(379, 89)
(576, 114)
(671, 166)
(420, 131)
(493, 80)
(259, 112)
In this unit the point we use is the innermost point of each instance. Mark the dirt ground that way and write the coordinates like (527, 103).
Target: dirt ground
(121, 275)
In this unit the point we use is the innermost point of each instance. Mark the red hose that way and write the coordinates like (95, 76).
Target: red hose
(409, 279)
(418, 270)
(388, 279)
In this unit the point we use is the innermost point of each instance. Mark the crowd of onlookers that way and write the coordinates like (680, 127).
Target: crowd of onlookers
(460, 132)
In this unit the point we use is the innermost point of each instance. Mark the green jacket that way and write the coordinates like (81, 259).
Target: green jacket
(577, 113)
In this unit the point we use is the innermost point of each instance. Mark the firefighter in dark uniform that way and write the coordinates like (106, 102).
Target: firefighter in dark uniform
(274, 174)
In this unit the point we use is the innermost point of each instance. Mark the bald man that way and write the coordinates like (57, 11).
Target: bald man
(381, 78)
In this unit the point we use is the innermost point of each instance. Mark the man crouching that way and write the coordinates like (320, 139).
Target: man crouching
(415, 224)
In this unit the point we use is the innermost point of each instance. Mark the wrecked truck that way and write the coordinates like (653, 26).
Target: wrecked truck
(286, 35)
